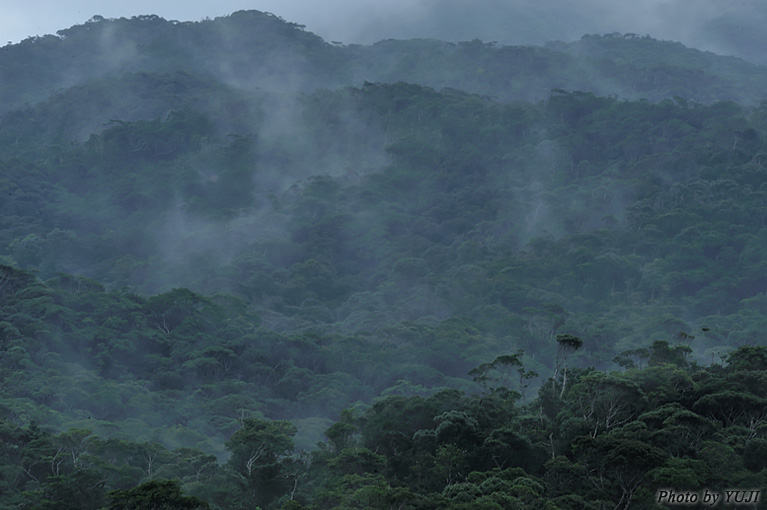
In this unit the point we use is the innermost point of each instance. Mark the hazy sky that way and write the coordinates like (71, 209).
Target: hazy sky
(20, 19)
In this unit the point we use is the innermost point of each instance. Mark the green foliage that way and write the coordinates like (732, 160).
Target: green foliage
(197, 247)
(154, 495)
(259, 449)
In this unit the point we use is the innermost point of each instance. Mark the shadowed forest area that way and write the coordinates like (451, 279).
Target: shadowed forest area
(242, 267)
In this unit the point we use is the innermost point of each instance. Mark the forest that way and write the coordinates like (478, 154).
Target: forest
(242, 267)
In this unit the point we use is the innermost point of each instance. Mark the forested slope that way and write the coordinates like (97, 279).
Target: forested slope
(200, 271)
(253, 50)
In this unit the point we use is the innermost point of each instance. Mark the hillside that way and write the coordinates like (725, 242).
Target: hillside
(222, 243)
(721, 26)
(251, 50)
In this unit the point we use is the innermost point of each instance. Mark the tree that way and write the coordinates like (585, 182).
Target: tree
(73, 444)
(568, 344)
(617, 467)
(604, 402)
(661, 352)
(260, 451)
(155, 495)
(503, 371)
(748, 357)
(179, 307)
(632, 358)
(733, 407)
(82, 489)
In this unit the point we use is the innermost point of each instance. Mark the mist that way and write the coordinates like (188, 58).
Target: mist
(716, 25)
(319, 263)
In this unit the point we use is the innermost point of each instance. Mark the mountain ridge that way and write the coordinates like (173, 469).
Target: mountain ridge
(255, 50)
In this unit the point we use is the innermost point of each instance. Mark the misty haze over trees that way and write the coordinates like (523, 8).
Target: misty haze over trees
(721, 26)
(243, 267)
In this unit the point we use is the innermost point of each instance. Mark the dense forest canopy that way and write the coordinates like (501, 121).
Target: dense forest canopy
(252, 50)
(241, 266)
(721, 26)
